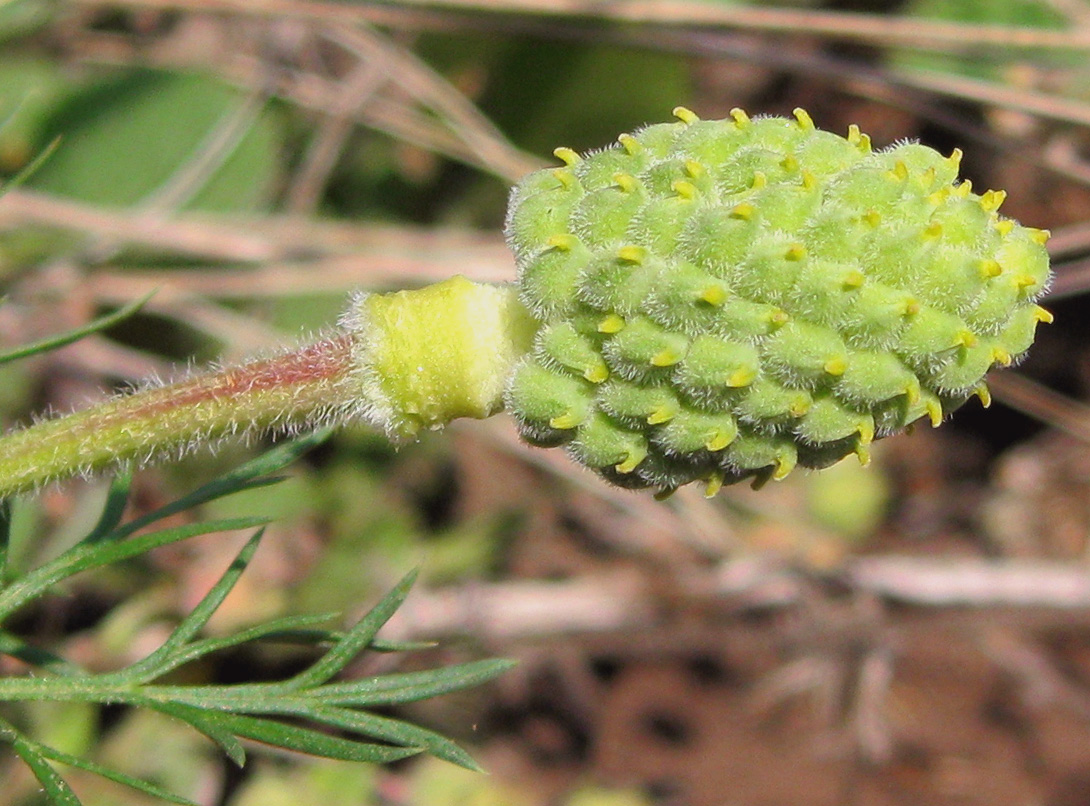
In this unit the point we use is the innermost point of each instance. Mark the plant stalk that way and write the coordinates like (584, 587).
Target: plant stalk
(401, 361)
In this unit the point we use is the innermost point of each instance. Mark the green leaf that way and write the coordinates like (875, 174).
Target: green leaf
(412, 686)
(113, 775)
(356, 640)
(113, 509)
(129, 136)
(53, 785)
(281, 629)
(39, 658)
(395, 731)
(203, 723)
(53, 342)
(154, 664)
(84, 556)
(5, 537)
(255, 473)
(311, 742)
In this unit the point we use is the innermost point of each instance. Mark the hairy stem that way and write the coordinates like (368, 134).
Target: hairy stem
(288, 392)
(402, 362)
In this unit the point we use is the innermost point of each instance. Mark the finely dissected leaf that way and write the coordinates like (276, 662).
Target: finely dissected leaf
(255, 473)
(54, 786)
(378, 645)
(5, 537)
(114, 508)
(282, 629)
(395, 731)
(113, 775)
(53, 342)
(411, 686)
(204, 724)
(305, 740)
(37, 657)
(153, 665)
(356, 640)
(83, 556)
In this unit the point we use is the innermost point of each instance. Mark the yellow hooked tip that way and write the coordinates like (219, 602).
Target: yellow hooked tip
(566, 421)
(992, 200)
(597, 373)
(799, 406)
(862, 453)
(795, 251)
(719, 440)
(984, 395)
(684, 189)
(912, 392)
(630, 144)
(631, 462)
(965, 338)
(836, 366)
(858, 139)
(626, 182)
(785, 463)
(566, 177)
(990, 268)
(714, 485)
(567, 156)
(866, 432)
(802, 117)
(854, 279)
(740, 118)
(743, 376)
(564, 242)
(713, 295)
(1043, 316)
(744, 211)
(632, 254)
(612, 323)
(665, 358)
(1001, 357)
(661, 414)
(685, 115)
(934, 412)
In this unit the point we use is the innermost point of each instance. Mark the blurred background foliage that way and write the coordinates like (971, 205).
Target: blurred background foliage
(257, 164)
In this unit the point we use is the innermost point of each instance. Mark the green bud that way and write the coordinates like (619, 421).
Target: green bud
(727, 299)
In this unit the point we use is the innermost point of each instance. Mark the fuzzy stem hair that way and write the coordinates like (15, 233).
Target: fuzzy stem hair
(400, 362)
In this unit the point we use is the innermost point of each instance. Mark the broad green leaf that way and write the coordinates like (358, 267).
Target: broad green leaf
(129, 136)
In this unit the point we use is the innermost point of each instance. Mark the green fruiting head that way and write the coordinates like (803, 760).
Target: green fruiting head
(730, 299)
